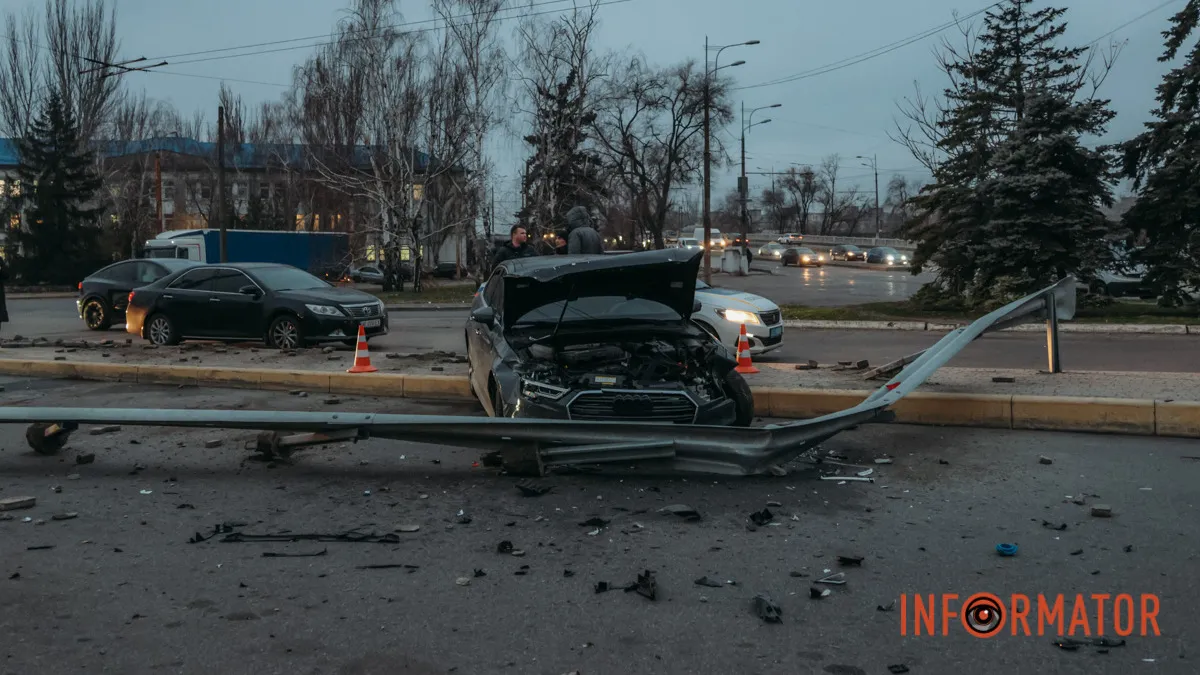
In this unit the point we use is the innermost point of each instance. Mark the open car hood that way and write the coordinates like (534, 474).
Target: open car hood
(667, 276)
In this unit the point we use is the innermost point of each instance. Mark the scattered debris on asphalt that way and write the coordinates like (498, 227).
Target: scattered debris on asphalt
(274, 554)
(505, 547)
(886, 608)
(85, 458)
(645, 586)
(353, 536)
(1000, 379)
(1077, 551)
(69, 515)
(463, 581)
(479, 573)
(898, 668)
(1129, 548)
(407, 527)
(850, 560)
(835, 579)
(1051, 526)
(682, 510)
(594, 522)
(1006, 549)
(39, 548)
(111, 428)
(389, 566)
(767, 610)
(1073, 644)
(462, 518)
(883, 460)
(815, 592)
(1045, 460)
(213, 443)
(711, 583)
(16, 503)
(761, 518)
(845, 479)
(1102, 511)
(531, 489)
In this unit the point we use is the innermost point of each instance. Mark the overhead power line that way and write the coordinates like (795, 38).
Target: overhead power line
(375, 35)
(874, 53)
(1132, 21)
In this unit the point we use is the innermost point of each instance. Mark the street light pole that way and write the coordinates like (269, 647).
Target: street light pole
(708, 73)
(874, 165)
(743, 182)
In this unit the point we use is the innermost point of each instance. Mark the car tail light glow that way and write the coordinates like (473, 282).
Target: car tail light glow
(130, 299)
(81, 287)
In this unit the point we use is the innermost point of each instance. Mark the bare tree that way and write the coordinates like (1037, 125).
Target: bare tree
(774, 206)
(483, 59)
(129, 171)
(64, 51)
(803, 185)
(833, 205)
(650, 126)
(899, 192)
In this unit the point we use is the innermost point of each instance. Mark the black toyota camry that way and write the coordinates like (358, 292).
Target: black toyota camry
(284, 306)
(601, 338)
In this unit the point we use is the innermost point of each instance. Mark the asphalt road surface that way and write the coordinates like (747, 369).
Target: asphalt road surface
(119, 588)
(825, 286)
(413, 331)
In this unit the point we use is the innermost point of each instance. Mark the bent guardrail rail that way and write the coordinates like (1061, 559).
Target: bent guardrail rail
(535, 446)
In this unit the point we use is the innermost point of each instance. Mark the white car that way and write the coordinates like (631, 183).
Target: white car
(772, 251)
(724, 310)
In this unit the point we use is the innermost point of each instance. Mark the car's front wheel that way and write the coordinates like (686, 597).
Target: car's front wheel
(737, 389)
(284, 333)
(160, 330)
(96, 314)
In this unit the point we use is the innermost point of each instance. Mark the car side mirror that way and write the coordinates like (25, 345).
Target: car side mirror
(697, 306)
(484, 315)
(252, 291)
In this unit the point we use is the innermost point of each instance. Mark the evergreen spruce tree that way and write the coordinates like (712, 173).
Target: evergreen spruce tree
(1164, 162)
(1016, 202)
(562, 172)
(59, 186)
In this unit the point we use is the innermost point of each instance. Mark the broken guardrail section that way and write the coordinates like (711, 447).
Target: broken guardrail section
(536, 446)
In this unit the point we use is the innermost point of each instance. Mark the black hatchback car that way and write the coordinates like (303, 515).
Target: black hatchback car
(103, 294)
(847, 252)
(284, 306)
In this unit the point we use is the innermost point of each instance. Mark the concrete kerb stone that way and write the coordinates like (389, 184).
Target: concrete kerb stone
(1050, 413)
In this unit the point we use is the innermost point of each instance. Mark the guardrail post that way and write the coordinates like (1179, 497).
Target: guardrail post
(1054, 365)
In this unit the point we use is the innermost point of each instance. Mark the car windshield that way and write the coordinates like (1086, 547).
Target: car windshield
(700, 285)
(288, 279)
(850, 249)
(599, 308)
(804, 251)
(889, 251)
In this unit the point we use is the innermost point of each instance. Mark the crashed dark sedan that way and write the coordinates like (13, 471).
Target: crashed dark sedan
(601, 338)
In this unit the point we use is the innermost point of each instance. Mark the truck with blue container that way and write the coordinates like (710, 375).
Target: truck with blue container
(321, 253)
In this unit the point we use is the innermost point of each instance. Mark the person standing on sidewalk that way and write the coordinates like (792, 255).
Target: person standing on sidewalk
(517, 246)
(582, 238)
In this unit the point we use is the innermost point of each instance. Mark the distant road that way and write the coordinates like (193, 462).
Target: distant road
(427, 330)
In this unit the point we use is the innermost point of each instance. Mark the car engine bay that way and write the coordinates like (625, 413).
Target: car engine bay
(698, 365)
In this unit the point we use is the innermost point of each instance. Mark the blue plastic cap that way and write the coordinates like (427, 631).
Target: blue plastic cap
(1006, 549)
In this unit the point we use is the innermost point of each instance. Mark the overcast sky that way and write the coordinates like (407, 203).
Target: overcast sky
(848, 111)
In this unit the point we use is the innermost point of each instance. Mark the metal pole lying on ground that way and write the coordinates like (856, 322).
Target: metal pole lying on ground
(1054, 365)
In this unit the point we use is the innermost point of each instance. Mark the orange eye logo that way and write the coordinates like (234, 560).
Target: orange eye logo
(983, 615)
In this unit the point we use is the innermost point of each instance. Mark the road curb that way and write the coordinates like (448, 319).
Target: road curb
(1099, 328)
(1139, 417)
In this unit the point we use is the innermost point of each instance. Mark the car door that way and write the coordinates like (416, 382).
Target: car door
(187, 302)
(116, 281)
(235, 314)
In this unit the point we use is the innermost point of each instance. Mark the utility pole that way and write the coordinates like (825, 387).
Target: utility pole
(162, 217)
(221, 180)
(708, 73)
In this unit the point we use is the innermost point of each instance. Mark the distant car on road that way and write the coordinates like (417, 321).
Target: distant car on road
(365, 274)
(885, 255)
(284, 306)
(790, 238)
(104, 293)
(724, 310)
(772, 251)
(847, 252)
(802, 256)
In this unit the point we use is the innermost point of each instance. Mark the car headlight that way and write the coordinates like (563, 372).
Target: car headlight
(533, 390)
(325, 310)
(804, 258)
(891, 258)
(820, 258)
(738, 316)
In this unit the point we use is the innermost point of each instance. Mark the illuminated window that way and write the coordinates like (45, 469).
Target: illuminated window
(418, 192)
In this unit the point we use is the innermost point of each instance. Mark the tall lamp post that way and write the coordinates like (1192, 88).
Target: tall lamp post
(874, 167)
(708, 73)
(743, 183)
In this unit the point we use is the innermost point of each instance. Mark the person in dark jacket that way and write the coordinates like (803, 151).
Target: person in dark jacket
(582, 238)
(517, 246)
(560, 243)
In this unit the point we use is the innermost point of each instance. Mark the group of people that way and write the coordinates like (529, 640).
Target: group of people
(578, 238)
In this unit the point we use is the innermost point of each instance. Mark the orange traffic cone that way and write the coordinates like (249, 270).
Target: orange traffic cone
(362, 356)
(744, 365)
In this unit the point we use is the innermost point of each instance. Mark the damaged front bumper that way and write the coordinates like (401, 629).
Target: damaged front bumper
(530, 446)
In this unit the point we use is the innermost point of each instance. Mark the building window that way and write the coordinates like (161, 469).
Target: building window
(168, 191)
(264, 190)
(205, 191)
